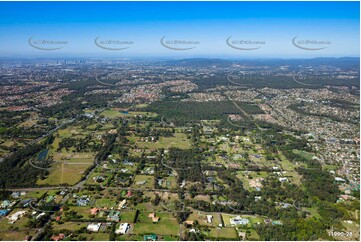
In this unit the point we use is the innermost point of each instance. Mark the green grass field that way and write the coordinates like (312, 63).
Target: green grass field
(179, 140)
(166, 226)
(127, 217)
(95, 236)
(229, 233)
(202, 219)
(129, 237)
(289, 167)
(65, 173)
(113, 113)
(84, 211)
(35, 194)
(148, 184)
(18, 235)
(304, 154)
(69, 226)
(68, 168)
(253, 236)
(106, 203)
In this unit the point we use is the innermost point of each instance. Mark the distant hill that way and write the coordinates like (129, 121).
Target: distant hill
(200, 62)
(341, 62)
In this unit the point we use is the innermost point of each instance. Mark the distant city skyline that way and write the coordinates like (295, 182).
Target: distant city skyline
(202, 29)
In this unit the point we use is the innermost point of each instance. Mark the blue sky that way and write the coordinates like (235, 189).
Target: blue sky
(207, 23)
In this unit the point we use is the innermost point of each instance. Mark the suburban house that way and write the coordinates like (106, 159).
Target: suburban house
(94, 211)
(129, 193)
(114, 216)
(40, 215)
(6, 204)
(93, 227)
(209, 219)
(239, 221)
(4, 212)
(153, 217)
(122, 204)
(82, 202)
(14, 217)
(189, 222)
(123, 228)
(57, 237)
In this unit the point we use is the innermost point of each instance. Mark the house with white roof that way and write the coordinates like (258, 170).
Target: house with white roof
(239, 221)
(123, 228)
(93, 227)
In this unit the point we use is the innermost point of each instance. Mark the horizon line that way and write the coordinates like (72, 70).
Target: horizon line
(178, 57)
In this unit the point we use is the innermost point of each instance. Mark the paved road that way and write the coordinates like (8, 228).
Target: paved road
(103, 83)
(180, 232)
(42, 229)
(53, 130)
(43, 136)
(304, 84)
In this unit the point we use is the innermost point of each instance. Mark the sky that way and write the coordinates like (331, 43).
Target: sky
(150, 29)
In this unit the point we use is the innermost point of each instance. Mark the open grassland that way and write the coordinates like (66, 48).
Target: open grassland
(16, 235)
(149, 181)
(304, 154)
(94, 236)
(201, 217)
(106, 203)
(129, 237)
(167, 225)
(69, 226)
(289, 168)
(68, 168)
(127, 217)
(35, 194)
(179, 140)
(114, 113)
(64, 174)
(229, 233)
